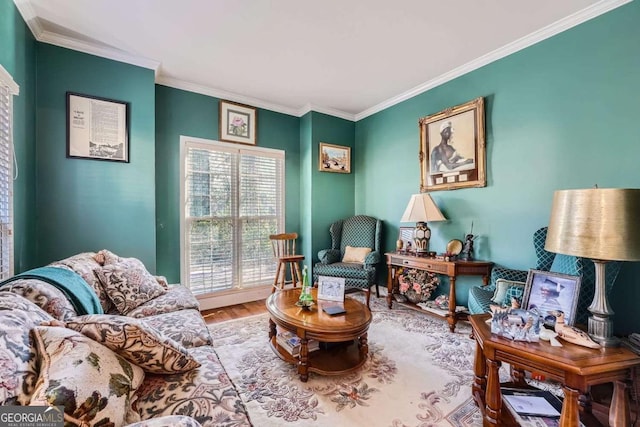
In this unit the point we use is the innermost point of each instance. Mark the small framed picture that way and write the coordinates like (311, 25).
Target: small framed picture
(97, 128)
(546, 291)
(334, 158)
(331, 288)
(238, 123)
(406, 236)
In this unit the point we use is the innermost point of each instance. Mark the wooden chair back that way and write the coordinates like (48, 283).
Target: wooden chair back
(283, 244)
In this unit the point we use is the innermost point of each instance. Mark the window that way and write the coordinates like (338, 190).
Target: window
(232, 199)
(8, 89)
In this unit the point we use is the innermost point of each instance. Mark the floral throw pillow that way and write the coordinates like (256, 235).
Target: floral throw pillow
(128, 284)
(95, 386)
(136, 342)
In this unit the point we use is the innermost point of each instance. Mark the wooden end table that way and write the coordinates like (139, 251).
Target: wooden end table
(452, 269)
(318, 325)
(576, 368)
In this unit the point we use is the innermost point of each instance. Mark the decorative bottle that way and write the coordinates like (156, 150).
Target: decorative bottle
(305, 295)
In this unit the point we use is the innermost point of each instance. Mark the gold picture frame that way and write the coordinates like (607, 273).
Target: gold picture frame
(238, 123)
(452, 148)
(334, 158)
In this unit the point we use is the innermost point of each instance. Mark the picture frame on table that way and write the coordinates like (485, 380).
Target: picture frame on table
(334, 158)
(238, 123)
(452, 148)
(97, 128)
(331, 288)
(405, 235)
(546, 291)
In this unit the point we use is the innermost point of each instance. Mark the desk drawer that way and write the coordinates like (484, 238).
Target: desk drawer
(422, 264)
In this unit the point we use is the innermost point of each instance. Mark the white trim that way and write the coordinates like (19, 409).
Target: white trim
(210, 301)
(325, 110)
(29, 16)
(550, 30)
(7, 80)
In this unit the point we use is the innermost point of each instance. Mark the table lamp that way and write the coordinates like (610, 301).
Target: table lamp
(600, 224)
(422, 208)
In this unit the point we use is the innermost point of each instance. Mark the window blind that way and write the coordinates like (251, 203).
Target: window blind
(6, 181)
(234, 199)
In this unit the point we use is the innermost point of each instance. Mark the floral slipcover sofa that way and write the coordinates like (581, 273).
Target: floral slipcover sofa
(147, 360)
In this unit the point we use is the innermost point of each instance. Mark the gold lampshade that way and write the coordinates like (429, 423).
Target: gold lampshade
(597, 223)
(422, 208)
(600, 224)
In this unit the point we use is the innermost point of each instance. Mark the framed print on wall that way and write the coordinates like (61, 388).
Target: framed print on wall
(334, 158)
(238, 123)
(452, 148)
(97, 128)
(547, 291)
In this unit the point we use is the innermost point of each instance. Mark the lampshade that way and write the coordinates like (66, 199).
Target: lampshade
(422, 208)
(597, 223)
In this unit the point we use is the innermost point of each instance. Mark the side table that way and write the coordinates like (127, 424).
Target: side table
(452, 269)
(576, 368)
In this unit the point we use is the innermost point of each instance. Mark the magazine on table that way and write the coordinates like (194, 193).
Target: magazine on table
(533, 402)
(291, 343)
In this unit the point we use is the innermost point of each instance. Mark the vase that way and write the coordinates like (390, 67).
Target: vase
(415, 297)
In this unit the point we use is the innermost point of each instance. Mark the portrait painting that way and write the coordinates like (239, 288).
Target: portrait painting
(452, 148)
(546, 292)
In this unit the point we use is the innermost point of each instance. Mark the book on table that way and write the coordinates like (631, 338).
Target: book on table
(532, 407)
(292, 343)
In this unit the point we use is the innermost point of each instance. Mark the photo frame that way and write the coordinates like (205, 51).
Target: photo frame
(545, 291)
(334, 158)
(238, 123)
(97, 128)
(406, 235)
(331, 288)
(452, 148)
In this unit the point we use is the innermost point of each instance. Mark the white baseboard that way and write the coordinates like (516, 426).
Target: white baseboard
(211, 301)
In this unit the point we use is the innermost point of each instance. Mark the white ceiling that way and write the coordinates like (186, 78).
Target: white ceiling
(348, 58)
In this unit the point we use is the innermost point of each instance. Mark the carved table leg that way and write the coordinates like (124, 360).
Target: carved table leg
(619, 414)
(390, 273)
(303, 364)
(493, 396)
(451, 318)
(570, 409)
(272, 329)
(480, 377)
(363, 343)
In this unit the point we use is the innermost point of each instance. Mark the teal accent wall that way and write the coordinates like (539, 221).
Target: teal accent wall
(88, 205)
(185, 113)
(306, 196)
(18, 57)
(560, 114)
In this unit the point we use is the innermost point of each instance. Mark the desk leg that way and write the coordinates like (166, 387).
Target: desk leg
(390, 274)
(480, 377)
(452, 304)
(570, 409)
(619, 414)
(493, 396)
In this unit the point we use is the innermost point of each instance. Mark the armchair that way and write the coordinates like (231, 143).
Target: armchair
(359, 231)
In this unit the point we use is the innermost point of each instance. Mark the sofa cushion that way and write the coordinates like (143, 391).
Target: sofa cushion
(128, 284)
(186, 327)
(358, 255)
(136, 342)
(514, 291)
(44, 295)
(84, 264)
(95, 385)
(206, 394)
(18, 373)
(176, 298)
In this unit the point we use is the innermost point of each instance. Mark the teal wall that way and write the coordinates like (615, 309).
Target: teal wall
(560, 114)
(185, 113)
(18, 57)
(85, 205)
(306, 196)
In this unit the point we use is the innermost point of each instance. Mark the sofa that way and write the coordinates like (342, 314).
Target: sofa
(113, 345)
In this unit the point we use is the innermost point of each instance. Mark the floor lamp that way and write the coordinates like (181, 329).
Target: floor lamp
(600, 224)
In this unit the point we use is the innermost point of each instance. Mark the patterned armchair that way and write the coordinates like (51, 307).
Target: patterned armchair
(480, 297)
(359, 231)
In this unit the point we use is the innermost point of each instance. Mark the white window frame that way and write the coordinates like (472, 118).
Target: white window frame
(7, 83)
(236, 295)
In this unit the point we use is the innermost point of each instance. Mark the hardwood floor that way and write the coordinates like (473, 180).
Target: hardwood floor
(234, 311)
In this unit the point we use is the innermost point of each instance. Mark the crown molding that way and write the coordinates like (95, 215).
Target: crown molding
(6, 78)
(326, 110)
(550, 30)
(29, 16)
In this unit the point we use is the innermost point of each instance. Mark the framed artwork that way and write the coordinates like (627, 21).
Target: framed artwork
(97, 128)
(452, 148)
(546, 291)
(334, 158)
(238, 123)
(406, 236)
(331, 288)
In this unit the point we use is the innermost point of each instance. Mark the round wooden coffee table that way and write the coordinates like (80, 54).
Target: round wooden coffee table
(349, 328)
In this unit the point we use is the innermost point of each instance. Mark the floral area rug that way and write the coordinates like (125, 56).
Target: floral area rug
(417, 374)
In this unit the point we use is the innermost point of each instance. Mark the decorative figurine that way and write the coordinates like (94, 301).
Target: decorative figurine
(571, 334)
(467, 247)
(399, 245)
(306, 300)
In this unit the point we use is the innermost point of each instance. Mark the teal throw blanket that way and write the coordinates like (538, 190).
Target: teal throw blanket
(73, 286)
